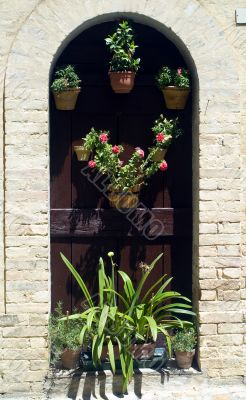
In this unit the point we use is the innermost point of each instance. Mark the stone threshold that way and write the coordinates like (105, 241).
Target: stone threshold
(78, 384)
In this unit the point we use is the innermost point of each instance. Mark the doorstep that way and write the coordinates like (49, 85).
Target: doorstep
(82, 385)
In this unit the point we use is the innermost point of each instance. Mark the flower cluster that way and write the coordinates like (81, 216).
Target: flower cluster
(165, 131)
(106, 159)
(173, 77)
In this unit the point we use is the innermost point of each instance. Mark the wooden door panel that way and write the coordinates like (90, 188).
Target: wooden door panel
(85, 258)
(60, 275)
(82, 224)
(60, 154)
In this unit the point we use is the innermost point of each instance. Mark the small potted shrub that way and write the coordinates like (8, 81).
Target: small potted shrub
(165, 132)
(84, 150)
(184, 343)
(65, 88)
(175, 86)
(64, 339)
(123, 65)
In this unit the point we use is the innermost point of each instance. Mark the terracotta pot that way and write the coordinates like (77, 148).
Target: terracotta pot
(123, 199)
(70, 358)
(175, 98)
(184, 358)
(136, 188)
(159, 154)
(143, 351)
(66, 100)
(82, 153)
(122, 82)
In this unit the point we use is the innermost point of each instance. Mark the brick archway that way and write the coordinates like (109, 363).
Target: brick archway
(216, 122)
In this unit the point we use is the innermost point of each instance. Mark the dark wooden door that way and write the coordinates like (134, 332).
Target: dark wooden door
(83, 226)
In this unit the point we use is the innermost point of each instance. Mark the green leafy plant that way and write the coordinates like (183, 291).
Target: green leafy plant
(170, 77)
(140, 316)
(122, 177)
(122, 47)
(63, 333)
(185, 339)
(165, 131)
(65, 78)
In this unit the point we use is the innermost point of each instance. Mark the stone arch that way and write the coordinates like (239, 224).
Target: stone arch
(42, 36)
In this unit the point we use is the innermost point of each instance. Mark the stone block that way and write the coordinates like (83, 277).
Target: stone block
(208, 295)
(219, 317)
(231, 273)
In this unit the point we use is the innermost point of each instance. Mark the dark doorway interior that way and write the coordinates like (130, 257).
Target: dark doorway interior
(77, 206)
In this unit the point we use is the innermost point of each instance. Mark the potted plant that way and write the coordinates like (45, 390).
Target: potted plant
(124, 180)
(165, 132)
(175, 86)
(64, 338)
(129, 330)
(184, 343)
(84, 150)
(123, 65)
(65, 88)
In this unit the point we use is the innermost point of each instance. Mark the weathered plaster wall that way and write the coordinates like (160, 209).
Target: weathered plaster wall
(31, 33)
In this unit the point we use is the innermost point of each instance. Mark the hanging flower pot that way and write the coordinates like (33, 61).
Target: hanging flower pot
(123, 199)
(82, 153)
(175, 86)
(123, 65)
(66, 100)
(158, 154)
(65, 88)
(175, 97)
(70, 358)
(122, 82)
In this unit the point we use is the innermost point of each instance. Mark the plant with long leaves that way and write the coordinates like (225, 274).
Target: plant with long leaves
(140, 317)
(106, 324)
(153, 312)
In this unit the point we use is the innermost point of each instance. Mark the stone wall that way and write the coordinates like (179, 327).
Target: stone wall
(32, 32)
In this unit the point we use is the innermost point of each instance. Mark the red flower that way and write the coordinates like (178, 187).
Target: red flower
(92, 164)
(179, 71)
(103, 138)
(160, 137)
(115, 149)
(140, 152)
(163, 166)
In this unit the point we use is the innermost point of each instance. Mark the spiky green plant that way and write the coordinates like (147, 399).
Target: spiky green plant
(139, 318)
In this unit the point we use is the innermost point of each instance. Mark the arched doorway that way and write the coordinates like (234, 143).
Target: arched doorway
(82, 225)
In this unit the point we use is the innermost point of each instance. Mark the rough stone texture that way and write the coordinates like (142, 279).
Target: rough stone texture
(32, 31)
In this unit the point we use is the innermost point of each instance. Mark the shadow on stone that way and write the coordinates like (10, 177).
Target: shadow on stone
(89, 386)
(74, 385)
(102, 384)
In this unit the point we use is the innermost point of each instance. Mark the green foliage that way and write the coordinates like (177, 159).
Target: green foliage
(169, 128)
(65, 78)
(182, 79)
(185, 339)
(171, 77)
(122, 46)
(91, 140)
(122, 177)
(164, 77)
(140, 317)
(63, 333)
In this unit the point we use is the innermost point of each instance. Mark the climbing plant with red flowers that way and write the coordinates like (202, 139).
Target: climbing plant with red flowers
(139, 168)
